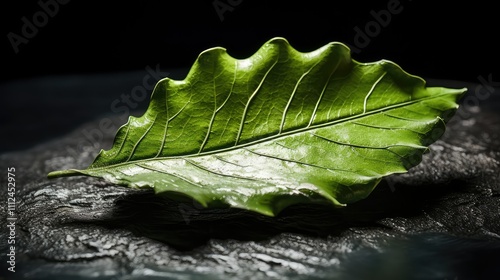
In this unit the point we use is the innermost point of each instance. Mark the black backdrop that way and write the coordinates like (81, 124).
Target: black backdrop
(450, 41)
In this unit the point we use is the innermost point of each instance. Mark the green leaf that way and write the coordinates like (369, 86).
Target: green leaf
(279, 128)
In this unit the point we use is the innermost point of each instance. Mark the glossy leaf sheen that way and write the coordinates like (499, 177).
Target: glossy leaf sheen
(279, 128)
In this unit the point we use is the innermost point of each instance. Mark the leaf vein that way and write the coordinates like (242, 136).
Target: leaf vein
(140, 139)
(243, 117)
(217, 173)
(368, 147)
(300, 162)
(292, 95)
(372, 89)
(313, 116)
(145, 166)
(386, 127)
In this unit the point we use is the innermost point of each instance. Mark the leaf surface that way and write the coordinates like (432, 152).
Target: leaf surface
(278, 128)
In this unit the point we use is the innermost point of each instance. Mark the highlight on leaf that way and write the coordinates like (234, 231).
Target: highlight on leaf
(281, 127)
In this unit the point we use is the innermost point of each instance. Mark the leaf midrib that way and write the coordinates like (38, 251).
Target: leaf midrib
(273, 137)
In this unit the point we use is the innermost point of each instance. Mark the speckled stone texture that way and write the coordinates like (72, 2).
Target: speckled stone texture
(441, 220)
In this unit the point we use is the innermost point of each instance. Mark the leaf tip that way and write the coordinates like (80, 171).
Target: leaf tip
(461, 91)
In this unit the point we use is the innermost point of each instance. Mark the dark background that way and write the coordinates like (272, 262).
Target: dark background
(60, 77)
(450, 41)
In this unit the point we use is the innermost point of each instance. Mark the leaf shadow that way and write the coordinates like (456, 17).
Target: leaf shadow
(185, 226)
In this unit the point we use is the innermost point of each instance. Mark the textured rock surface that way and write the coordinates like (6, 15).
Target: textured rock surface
(439, 221)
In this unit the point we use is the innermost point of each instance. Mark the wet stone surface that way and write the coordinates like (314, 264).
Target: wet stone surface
(441, 220)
